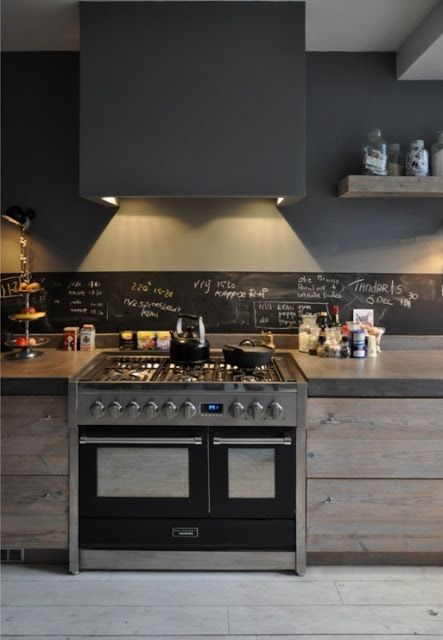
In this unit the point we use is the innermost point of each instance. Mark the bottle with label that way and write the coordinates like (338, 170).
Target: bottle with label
(395, 160)
(358, 344)
(417, 159)
(335, 310)
(375, 155)
(437, 155)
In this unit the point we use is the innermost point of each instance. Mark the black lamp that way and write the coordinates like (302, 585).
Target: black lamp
(19, 216)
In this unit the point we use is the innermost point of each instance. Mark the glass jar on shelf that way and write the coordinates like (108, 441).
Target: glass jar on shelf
(417, 159)
(437, 155)
(395, 160)
(375, 155)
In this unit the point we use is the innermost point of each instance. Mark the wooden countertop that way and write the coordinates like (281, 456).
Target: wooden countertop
(411, 373)
(47, 374)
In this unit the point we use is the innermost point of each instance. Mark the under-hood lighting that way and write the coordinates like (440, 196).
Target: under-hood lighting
(280, 200)
(110, 200)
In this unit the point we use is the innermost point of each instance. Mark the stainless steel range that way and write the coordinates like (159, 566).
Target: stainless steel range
(187, 466)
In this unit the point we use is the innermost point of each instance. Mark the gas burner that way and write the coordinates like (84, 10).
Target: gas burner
(254, 375)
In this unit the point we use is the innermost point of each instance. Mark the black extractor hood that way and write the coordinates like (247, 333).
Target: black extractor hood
(192, 99)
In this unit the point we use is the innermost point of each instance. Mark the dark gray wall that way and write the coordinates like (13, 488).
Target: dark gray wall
(348, 94)
(192, 98)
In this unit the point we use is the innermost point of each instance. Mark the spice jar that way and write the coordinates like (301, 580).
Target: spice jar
(417, 159)
(437, 155)
(321, 349)
(395, 160)
(375, 156)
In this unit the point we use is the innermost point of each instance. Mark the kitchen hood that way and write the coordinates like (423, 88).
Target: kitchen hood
(192, 99)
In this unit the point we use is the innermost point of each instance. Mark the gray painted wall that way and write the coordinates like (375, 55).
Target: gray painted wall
(348, 94)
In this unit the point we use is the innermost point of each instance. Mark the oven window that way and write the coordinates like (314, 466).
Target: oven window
(139, 472)
(251, 473)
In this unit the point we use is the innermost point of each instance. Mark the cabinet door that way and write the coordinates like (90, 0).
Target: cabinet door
(34, 435)
(375, 438)
(375, 515)
(35, 512)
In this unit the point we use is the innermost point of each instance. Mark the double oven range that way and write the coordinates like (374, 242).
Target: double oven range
(187, 467)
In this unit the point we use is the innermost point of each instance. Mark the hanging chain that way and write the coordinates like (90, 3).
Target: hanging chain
(25, 274)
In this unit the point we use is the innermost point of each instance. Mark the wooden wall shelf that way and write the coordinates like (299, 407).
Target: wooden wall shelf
(390, 187)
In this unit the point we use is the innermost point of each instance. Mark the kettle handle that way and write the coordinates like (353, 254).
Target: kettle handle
(201, 326)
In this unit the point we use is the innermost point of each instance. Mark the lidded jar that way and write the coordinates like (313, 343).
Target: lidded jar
(307, 328)
(437, 155)
(417, 159)
(395, 160)
(375, 155)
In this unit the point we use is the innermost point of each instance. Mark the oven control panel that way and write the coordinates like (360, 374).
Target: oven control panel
(124, 407)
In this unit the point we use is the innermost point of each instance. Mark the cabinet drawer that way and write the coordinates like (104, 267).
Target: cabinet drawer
(375, 515)
(34, 435)
(368, 438)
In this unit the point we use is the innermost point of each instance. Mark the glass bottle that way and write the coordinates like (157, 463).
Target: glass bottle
(375, 155)
(345, 350)
(335, 310)
(307, 328)
(321, 349)
(395, 160)
(313, 342)
(437, 155)
(417, 159)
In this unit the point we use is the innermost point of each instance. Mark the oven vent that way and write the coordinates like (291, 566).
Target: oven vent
(13, 555)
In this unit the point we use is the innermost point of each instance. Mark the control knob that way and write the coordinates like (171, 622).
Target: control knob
(237, 410)
(169, 410)
(256, 410)
(97, 409)
(275, 410)
(114, 410)
(150, 410)
(132, 409)
(188, 410)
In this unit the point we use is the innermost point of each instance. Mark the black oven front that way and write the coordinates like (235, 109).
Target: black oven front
(186, 488)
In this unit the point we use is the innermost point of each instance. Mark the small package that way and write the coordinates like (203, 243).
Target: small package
(127, 340)
(70, 335)
(87, 337)
(146, 340)
(163, 340)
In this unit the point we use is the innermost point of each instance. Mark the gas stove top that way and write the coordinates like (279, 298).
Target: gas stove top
(119, 368)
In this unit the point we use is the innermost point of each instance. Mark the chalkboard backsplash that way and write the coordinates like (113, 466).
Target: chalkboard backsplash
(410, 304)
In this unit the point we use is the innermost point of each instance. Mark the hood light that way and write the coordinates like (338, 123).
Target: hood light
(110, 200)
(280, 200)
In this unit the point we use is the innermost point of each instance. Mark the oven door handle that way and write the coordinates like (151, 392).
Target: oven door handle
(92, 440)
(287, 440)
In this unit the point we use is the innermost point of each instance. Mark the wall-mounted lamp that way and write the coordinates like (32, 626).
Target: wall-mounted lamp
(18, 216)
(280, 200)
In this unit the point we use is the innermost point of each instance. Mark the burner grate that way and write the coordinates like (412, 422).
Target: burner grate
(151, 368)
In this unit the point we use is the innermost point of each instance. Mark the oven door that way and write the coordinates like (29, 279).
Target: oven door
(252, 473)
(143, 472)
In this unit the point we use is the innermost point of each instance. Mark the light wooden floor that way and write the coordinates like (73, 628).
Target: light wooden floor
(329, 603)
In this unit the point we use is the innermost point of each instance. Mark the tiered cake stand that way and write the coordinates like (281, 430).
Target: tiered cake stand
(26, 351)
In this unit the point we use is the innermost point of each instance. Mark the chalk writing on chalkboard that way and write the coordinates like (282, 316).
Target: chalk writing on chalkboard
(231, 301)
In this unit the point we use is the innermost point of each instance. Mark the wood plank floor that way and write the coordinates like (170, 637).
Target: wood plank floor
(329, 603)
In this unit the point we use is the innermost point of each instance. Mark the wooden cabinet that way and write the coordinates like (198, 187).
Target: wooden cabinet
(35, 471)
(375, 475)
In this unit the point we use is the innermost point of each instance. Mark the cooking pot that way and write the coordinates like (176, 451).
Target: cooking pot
(248, 354)
(189, 346)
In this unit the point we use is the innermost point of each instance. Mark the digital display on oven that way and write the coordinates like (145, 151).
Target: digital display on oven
(211, 408)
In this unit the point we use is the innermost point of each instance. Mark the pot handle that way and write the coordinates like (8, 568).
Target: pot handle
(201, 326)
(252, 343)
